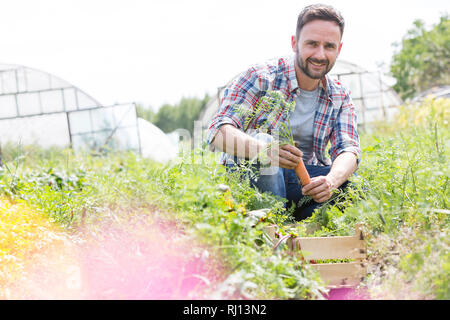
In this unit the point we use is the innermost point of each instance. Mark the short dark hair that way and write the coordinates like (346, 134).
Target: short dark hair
(319, 12)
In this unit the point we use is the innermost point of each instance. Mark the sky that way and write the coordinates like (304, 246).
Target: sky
(157, 51)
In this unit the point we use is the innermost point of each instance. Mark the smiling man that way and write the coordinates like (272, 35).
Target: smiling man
(323, 114)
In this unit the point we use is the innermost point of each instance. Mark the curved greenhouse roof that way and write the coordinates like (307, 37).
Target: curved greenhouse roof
(25, 91)
(436, 92)
(39, 108)
(374, 99)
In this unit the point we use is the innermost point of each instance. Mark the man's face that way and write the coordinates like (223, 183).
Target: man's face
(317, 48)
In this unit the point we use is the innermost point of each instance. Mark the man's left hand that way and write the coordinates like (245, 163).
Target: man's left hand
(320, 188)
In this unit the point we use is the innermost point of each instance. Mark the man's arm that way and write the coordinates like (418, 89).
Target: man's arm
(342, 168)
(233, 141)
(320, 188)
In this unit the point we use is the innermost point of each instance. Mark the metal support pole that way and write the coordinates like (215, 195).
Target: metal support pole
(70, 131)
(363, 104)
(383, 107)
(137, 129)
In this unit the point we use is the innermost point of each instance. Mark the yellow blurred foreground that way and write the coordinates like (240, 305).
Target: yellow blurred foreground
(28, 241)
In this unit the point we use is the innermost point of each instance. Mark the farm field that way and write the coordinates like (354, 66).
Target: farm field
(123, 227)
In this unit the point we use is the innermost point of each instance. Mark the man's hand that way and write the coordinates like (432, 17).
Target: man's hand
(286, 156)
(320, 189)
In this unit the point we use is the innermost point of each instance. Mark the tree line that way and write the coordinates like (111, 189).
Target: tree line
(422, 60)
(177, 116)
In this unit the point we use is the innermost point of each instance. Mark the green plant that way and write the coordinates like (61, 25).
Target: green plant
(271, 107)
(422, 60)
(400, 194)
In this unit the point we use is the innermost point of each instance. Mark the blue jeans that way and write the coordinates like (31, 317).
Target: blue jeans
(285, 183)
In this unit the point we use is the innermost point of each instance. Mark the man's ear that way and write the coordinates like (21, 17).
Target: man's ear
(294, 43)
(339, 49)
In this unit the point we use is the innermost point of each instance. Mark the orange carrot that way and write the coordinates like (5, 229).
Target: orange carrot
(301, 172)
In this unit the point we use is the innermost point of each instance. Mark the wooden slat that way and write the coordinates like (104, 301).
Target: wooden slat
(322, 248)
(270, 230)
(341, 274)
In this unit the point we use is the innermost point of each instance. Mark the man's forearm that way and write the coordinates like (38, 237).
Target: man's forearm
(342, 168)
(233, 141)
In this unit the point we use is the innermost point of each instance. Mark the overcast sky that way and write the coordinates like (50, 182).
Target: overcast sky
(155, 52)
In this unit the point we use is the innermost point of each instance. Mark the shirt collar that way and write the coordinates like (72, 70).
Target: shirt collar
(292, 78)
(290, 75)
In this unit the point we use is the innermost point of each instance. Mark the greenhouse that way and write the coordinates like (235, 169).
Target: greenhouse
(374, 99)
(39, 108)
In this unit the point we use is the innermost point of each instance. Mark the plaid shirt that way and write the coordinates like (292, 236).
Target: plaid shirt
(334, 121)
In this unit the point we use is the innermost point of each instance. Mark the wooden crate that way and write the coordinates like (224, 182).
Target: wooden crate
(336, 275)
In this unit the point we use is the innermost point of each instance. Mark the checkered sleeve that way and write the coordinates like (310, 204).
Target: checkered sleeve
(345, 135)
(242, 91)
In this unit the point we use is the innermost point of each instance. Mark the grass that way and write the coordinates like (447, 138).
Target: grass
(23, 233)
(400, 195)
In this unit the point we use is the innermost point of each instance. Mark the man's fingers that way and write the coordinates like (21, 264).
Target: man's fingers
(284, 163)
(281, 159)
(295, 151)
(315, 182)
(318, 189)
(315, 191)
(322, 197)
(286, 156)
(289, 156)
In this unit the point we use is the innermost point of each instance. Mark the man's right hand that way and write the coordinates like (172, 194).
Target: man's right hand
(234, 141)
(286, 156)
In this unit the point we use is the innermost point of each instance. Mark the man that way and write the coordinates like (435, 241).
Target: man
(323, 113)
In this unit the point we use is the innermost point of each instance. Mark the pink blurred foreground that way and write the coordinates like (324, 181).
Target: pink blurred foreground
(129, 262)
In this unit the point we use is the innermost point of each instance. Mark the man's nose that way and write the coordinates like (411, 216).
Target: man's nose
(319, 54)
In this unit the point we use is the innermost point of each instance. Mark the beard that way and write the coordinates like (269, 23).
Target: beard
(317, 75)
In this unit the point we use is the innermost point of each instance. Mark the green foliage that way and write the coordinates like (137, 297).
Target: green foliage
(222, 220)
(78, 188)
(273, 105)
(414, 264)
(423, 60)
(179, 116)
(400, 195)
(428, 266)
(146, 113)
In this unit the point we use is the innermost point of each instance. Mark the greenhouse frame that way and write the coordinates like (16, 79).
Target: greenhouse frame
(39, 108)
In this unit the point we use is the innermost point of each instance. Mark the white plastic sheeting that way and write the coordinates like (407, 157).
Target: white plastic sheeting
(113, 127)
(44, 130)
(25, 92)
(39, 108)
(155, 144)
(373, 98)
(34, 106)
(435, 92)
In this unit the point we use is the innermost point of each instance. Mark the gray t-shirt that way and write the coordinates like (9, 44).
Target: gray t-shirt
(302, 120)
